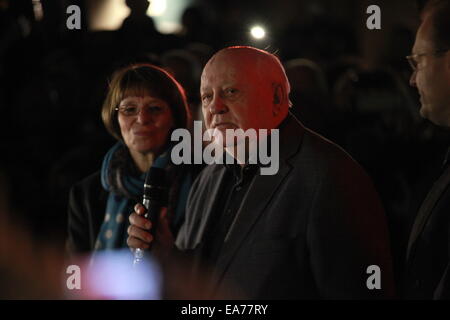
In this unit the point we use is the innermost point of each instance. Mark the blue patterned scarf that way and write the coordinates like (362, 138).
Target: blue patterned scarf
(113, 231)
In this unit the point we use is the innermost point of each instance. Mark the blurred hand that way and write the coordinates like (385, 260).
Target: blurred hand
(139, 235)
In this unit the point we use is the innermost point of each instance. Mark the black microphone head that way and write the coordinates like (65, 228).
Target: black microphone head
(155, 177)
(155, 186)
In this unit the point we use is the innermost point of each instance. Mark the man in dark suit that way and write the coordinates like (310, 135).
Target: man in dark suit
(427, 274)
(315, 229)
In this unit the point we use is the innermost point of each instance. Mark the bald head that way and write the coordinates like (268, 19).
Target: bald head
(244, 88)
(266, 66)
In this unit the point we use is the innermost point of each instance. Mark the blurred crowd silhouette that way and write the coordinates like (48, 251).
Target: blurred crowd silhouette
(53, 81)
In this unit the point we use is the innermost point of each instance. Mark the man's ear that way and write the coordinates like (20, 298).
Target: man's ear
(278, 97)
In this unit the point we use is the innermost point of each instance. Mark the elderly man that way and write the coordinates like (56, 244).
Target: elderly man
(315, 229)
(427, 272)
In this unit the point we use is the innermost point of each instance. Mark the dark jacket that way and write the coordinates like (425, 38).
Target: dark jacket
(87, 206)
(86, 211)
(309, 231)
(427, 274)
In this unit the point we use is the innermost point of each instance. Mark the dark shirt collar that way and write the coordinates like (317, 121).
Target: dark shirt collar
(237, 169)
(242, 172)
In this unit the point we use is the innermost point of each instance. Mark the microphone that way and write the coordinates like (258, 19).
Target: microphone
(155, 197)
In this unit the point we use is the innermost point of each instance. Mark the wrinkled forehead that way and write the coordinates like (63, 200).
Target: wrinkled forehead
(230, 67)
(423, 40)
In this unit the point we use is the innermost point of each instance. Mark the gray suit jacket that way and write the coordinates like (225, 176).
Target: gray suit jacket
(309, 231)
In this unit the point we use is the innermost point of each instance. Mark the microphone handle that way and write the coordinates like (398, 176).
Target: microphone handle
(153, 209)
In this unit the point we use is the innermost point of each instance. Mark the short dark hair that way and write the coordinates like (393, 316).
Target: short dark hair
(139, 79)
(439, 12)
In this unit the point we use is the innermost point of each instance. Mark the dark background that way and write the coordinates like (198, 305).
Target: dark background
(53, 81)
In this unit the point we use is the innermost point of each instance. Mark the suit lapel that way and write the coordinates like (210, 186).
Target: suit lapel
(427, 207)
(260, 193)
(211, 200)
(259, 196)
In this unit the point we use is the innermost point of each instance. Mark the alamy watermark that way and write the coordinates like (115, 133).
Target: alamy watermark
(374, 20)
(73, 22)
(374, 280)
(245, 147)
(74, 279)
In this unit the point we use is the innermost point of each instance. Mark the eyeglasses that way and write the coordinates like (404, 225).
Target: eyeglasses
(412, 59)
(132, 111)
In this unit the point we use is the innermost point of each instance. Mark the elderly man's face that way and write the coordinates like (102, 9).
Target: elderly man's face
(234, 95)
(432, 77)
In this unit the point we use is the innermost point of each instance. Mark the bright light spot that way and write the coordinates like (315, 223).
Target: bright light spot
(168, 27)
(111, 275)
(37, 9)
(258, 32)
(107, 15)
(157, 8)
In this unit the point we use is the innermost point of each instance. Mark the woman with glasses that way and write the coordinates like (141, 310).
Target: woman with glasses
(143, 106)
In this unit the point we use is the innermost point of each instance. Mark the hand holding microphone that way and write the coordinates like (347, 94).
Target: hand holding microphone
(139, 236)
(149, 223)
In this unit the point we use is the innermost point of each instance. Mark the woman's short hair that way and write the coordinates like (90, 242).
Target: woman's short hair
(138, 80)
